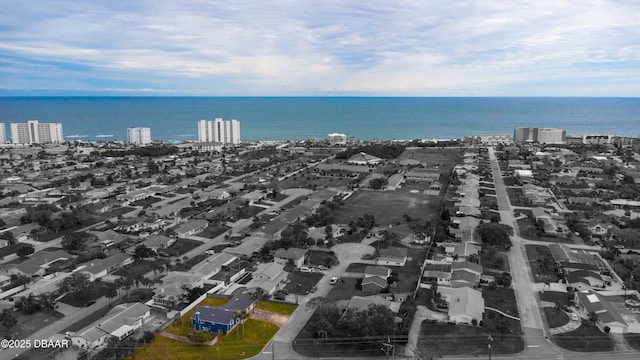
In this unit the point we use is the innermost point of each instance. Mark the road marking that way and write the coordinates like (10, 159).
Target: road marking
(533, 346)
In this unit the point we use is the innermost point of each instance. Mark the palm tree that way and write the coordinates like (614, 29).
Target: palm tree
(242, 316)
(111, 293)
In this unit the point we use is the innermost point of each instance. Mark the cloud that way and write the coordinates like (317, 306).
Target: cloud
(281, 47)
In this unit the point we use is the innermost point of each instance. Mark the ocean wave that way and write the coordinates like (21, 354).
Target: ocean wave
(185, 135)
(76, 136)
(104, 136)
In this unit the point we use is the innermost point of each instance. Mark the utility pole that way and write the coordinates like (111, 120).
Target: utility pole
(490, 346)
(388, 346)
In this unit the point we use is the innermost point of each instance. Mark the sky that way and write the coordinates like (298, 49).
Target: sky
(320, 48)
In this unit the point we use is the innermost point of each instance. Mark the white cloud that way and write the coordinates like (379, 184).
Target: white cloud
(416, 47)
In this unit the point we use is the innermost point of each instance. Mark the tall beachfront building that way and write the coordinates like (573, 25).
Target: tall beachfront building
(139, 135)
(540, 135)
(218, 130)
(3, 134)
(34, 132)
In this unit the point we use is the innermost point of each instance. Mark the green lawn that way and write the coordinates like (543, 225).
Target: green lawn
(181, 246)
(232, 346)
(503, 299)
(556, 297)
(183, 326)
(633, 340)
(88, 319)
(278, 308)
(446, 339)
(344, 289)
(387, 207)
(543, 270)
(586, 339)
(306, 281)
(555, 317)
(95, 290)
(28, 324)
(529, 231)
(326, 258)
(140, 267)
(212, 231)
(494, 260)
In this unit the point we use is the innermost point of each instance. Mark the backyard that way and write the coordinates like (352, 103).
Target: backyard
(232, 346)
(212, 231)
(325, 258)
(492, 259)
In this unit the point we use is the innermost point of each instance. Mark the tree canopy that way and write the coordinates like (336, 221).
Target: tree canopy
(494, 234)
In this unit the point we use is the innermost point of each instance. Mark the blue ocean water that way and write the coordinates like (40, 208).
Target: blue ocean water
(289, 118)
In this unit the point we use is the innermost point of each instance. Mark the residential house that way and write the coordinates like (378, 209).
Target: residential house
(119, 323)
(465, 274)
(38, 263)
(270, 277)
(191, 227)
(248, 247)
(110, 238)
(585, 280)
(273, 228)
(215, 319)
(157, 242)
(392, 255)
(254, 196)
(294, 255)
(607, 315)
(571, 259)
(98, 268)
(465, 304)
(375, 278)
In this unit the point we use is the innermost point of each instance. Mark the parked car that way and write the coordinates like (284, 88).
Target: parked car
(305, 269)
(313, 289)
(89, 303)
(279, 296)
(333, 280)
(210, 252)
(575, 317)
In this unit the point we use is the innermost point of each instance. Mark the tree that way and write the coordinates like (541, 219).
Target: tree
(76, 284)
(192, 294)
(111, 293)
(77, 241)
(143, 252)
(494, 234)
(593, 318)
(241, 316)
(504, 280)
(21, 280)
(24, 251)
(378, 183)
(8, 319)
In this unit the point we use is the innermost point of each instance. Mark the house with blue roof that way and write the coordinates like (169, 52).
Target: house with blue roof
(214, 319)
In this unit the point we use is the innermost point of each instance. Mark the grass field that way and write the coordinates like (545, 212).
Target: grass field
(212, 231)
(496, 261)
(529, 231)
(542, 269)
(183, 326)
(503, 299)
(137, 268)
(555, 317)
(29, 324)
(325, 258)
(93, 291)
(388, 207)
(311, 181)
(432, 156)
(344, 289)
(586, 339)
(181, 246)
(306, 281)
(278, 308)
(446, 339)
(556, 297)
(232, 346)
